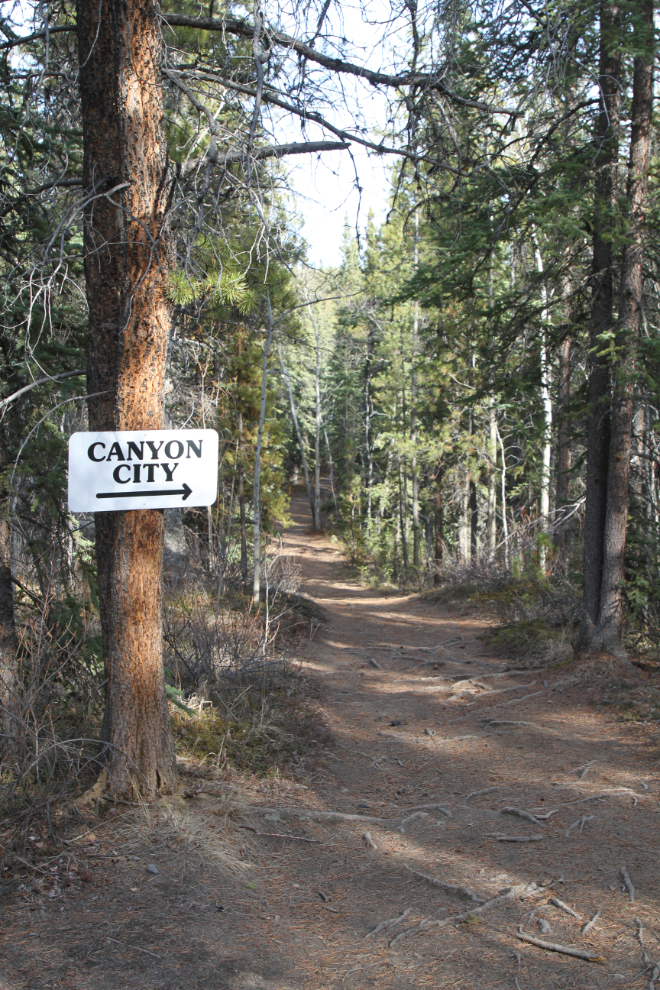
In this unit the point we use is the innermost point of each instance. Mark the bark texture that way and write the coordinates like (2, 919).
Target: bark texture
(610, 619)
(602, 318)
(563, 440)
(127, 261)
(9, 723)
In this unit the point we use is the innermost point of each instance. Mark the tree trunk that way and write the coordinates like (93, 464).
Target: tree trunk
(602, 319)
(492, 477)
(128, 255)
(241, 500)
(610, 619)
(563, 441)
(546, 401)
(9, 726)
(256, 491)
(439, 526)
(296, 424)
(413, 410)
(317, 431)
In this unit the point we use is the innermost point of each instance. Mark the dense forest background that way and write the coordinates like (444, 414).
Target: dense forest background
(470, 398)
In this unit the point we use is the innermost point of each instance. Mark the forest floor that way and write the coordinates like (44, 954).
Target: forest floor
(430, 745)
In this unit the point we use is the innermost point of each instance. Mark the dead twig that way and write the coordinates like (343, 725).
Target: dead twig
(134, 947)
(485, 790)
(590, 924)
(389, 923)
(411, 818)
(564, 907)
(450, 887)
(500, 837)
(519, 813)
(640, 939)
(358, 969)
(565, 950)
(277, 835)
(426, 923)
(581, 822)
(627, 882)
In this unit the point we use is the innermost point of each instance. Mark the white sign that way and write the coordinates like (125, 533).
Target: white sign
(142, 469)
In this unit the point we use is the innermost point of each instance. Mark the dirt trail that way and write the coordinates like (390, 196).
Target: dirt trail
(431, 746)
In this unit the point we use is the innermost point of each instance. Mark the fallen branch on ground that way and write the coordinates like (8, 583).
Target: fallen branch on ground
(411, 818)
(134, 947)
(564, 907)
(433, 807)
(581, 822)
(563, 949)
(590, 924)
(490, 722)
(390, 923)
(519, 813)
(426, 923)
(500, 837)
(280, 835)
(321, 816)
(640, 939)
(359, 969)
(485, 790)
(628, 883)
(450, 887)
(374, 663)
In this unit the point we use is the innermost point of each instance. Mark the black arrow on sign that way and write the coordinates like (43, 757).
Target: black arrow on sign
(185, 491)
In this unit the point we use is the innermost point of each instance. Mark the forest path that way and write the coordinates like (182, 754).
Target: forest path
(429, 749)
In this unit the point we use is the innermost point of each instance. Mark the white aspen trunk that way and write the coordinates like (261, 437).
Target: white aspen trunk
(331, 465)
(257, 463)
(505, 525)
(491, 519)
(492, 477)
(316, 510)
(296, 424)
(546, 400)
(464, 517)
(317, 434)
(413, 420)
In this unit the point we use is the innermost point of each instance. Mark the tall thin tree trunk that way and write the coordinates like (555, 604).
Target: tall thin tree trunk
(256, 492)
(317, 430)
(492, 477)
(563, 470)
(546, 402)
(330, 464)
(439, 526)
(413, 410)
(505, 524)
(296, 424)
(602, 318)
(9, 727)
(241, 500)
(128, 256)
(608, 632)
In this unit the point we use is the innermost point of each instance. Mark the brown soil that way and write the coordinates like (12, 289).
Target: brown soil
(232, 908)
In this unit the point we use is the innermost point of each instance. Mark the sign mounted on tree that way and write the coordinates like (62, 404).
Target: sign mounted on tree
(142, 469)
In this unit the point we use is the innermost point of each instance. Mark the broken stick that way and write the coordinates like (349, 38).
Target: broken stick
(389, 923)
(450, 887)
(519, 813)
(500, 837)
(590, 924)
(628, 883)
(565, 950)
(564, 907)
